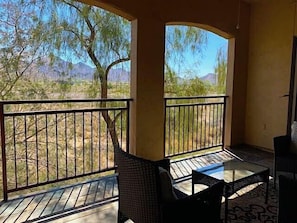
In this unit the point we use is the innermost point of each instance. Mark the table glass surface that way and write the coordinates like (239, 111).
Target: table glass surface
(232, 170)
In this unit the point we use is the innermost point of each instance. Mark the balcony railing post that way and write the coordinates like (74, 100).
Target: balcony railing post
(224, 121)
(128, 124)
(164, 127)
(3, 153)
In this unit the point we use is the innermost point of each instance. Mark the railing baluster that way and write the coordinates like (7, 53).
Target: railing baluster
(3, 153)
(57, 147)
(179, 130)
(121, 126)
(36, 148)
(208, 130)
(201, 125)
(47, 147)
(197, 124)
(173, 130)
(83, 142)
(107, 145)
(26, 149)
(75, 143)
(170, 139)
(99, 138)
(66, 143)
(15, 153)
(187, 123)
(92, 142)
(192, 120)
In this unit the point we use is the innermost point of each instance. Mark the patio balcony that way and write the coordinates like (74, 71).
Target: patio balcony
(58, 155)
(96, 200)
(261, 84)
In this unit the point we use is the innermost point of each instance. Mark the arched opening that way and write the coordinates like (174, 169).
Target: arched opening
(195, 71)
(197, 58)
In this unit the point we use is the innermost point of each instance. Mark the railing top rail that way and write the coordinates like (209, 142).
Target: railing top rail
(49, 101)
(64, 111)
(195, 104)
(196, 97)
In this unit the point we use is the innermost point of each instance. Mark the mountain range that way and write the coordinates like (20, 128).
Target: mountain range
(61, 69)
(210, 77)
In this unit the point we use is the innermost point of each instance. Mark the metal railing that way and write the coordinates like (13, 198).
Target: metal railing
(45, 142)
(193, 124)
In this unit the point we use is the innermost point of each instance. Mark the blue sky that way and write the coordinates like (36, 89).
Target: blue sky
(202, 63)
(207, 59)
(209, 55)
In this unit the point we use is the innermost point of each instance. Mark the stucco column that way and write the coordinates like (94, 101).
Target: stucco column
(236, 87)
(147, 89)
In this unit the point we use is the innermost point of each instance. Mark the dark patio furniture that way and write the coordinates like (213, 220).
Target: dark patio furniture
(284, 159)
(287, 200)
(236, 174)
(146, 194)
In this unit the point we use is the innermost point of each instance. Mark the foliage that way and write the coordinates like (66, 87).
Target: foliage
(77, 32)
(175, 86)
(221, 71)
(21, 39)
(183, 42)
(90, 34)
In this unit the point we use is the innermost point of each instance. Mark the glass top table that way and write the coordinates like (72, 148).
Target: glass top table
(235, 173)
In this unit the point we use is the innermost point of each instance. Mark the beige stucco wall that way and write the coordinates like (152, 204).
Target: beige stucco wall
(149, 19)
(271, 36)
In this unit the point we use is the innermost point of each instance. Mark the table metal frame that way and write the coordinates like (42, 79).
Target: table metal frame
(230, 188)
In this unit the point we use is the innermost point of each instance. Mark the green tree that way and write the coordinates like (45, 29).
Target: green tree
(171, 86)
(88, 34)
(183, 42)
(21, 40)
(194, 87)
(221, 71)
(103, 39)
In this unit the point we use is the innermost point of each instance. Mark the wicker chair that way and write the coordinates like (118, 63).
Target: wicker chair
(284, 159)
(287, 201)
(142, 197)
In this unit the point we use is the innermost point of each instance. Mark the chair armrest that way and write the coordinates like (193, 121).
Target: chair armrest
(281, 145)
(164, 163)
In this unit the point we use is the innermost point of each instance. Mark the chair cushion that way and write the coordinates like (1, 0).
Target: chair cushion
(293, 145)
(167, 190)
